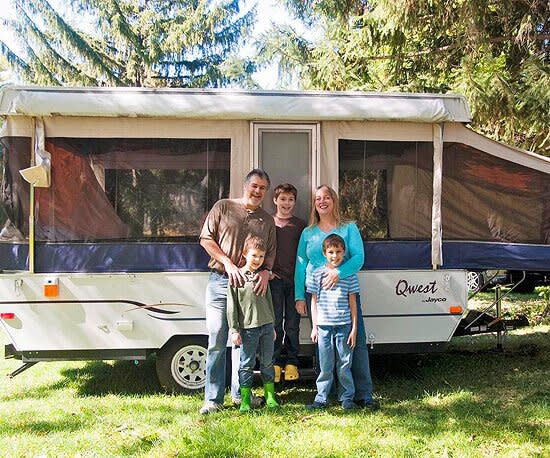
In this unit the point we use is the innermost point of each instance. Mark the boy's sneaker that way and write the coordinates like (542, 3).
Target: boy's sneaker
(371, 404)
(210, 407)
(349, 405)
(316, 405)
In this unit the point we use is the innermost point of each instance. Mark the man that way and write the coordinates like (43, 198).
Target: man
(226, 228)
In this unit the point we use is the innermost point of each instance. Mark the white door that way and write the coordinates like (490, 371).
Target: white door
(289, 154)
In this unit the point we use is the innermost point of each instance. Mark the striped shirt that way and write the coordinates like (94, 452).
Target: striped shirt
(333, 304)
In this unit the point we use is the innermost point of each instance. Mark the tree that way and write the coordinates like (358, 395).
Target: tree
(180, 43)
(495, 52)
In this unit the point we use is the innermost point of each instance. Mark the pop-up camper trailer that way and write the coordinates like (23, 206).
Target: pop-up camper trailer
(104, 192)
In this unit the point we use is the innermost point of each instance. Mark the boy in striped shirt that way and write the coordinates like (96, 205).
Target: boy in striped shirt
(334, 318)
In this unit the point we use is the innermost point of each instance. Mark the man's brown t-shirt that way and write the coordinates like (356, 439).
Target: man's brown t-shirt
(229, 223)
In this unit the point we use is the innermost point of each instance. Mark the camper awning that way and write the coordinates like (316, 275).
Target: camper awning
(233, 104)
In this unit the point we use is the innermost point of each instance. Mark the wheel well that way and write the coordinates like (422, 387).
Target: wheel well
(197, 338)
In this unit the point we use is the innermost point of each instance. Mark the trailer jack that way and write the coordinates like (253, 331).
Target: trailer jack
(22, 368)
(485, 323)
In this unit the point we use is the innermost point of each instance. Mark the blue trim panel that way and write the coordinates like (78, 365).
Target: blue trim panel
(397, 255)
(191, 257)
(482, 256)
(14, 256)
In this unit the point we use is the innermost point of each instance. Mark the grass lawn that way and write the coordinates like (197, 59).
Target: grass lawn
(469, 401)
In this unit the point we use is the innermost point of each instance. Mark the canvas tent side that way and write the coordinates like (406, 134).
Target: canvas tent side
(448, 184)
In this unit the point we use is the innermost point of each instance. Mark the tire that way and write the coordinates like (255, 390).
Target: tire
(474, 281)
(181, 364)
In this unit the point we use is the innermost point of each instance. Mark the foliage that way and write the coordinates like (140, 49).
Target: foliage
(154, 43)
(544, 292)
(494, 52)
(466, 402)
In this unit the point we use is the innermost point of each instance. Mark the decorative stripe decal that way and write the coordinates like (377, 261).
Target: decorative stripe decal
(139, 305)
(177, 319)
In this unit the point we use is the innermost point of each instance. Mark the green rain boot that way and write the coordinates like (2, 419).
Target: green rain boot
(269, 392)
(246, 393)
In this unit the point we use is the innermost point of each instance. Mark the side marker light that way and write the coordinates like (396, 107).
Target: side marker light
(455, 309)
(51, 287)
(7, 315)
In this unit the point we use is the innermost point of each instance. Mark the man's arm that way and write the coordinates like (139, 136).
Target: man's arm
(262, 278)
(233, 272)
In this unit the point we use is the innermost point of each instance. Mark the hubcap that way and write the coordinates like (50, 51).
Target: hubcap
(473, 281)
(189, 367)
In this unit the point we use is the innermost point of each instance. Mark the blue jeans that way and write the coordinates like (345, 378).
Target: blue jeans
(360, 367)
(218, 329)
(256, 340)
(334, 352)
(284, 306)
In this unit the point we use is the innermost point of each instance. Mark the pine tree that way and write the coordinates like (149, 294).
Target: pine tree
(178, 43)
(496, 52)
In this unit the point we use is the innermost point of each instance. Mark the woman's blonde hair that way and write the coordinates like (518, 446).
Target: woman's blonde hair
(314, 215)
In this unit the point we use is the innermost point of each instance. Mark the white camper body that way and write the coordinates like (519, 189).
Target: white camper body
(143, 311)
(68, 292)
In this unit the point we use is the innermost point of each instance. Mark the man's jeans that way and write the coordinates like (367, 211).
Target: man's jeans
(334, 351)
(360, 367)
(282, 294)
(218, 329)
(256, 340)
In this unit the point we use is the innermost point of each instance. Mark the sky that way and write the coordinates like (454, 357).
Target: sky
(268, 11)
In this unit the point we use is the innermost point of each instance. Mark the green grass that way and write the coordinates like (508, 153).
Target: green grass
(468, 402)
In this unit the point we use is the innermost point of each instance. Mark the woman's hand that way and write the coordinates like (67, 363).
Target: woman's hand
(301, 307)
(236, 339)
(352, 338)
(330, 279)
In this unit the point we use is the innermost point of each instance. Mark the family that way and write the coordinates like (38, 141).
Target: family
(290, 270)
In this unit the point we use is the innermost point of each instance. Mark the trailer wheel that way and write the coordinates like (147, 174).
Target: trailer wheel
(475, 281)
(181, 365)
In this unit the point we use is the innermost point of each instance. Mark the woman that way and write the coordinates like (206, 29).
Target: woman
(325, 219)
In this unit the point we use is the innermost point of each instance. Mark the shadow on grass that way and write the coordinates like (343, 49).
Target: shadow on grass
(121, 377)
(98, 378)
(39, 427)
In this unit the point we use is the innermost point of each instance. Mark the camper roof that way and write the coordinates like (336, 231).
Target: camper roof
(233, 104)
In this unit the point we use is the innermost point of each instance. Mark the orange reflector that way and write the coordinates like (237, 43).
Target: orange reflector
(7, 315)
(455, 309)
(51, 290)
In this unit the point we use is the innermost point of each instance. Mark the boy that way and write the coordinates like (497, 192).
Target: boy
(250, 319)
(334, 318)
(288, 229)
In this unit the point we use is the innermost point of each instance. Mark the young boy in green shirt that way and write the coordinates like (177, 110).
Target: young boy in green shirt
(250, 319)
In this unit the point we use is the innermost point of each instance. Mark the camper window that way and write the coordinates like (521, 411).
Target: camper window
(486, 198)
(386, 188)
(131, 189)
(14, 190)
